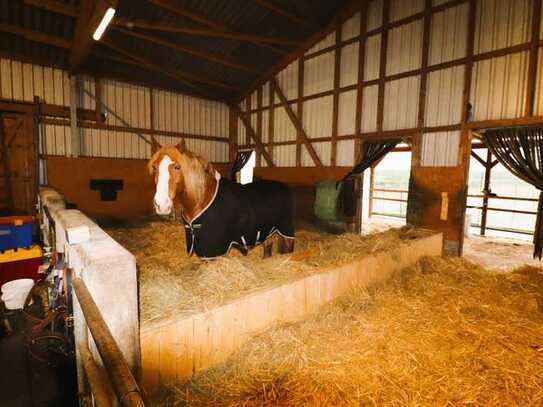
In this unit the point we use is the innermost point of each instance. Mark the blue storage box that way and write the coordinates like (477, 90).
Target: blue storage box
(15, 232)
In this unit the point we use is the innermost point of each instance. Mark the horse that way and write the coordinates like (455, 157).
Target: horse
(217, 213)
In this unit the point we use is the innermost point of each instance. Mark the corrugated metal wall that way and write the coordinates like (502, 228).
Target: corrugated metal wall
(173, 113)
(498, 87)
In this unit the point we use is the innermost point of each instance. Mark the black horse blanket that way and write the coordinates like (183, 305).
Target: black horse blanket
(242, 216)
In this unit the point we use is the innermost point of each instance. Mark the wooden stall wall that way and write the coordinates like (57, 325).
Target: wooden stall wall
(169, 116)
(430, 70)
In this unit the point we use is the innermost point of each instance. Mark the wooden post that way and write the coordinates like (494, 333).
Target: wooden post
(233, 134)
(259, 122)
(121, 377)
(299, 110)
(532, 65)
(360, 86)
(383, 67)
(335, 111)
(271, 125)
(484, 211)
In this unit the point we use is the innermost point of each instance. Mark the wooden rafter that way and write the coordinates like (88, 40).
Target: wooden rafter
(296, 122)
(198, 18)
(90, 15)
(55, 6)
(281, 11)
(220, 59)
(148, 25)
(249, 129)
(184, 77)
(351, 8)
(36, 36)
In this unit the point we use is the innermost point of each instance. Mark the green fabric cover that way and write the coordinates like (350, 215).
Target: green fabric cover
(326, 200)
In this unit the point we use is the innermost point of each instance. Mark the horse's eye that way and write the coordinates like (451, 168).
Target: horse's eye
(177, 167)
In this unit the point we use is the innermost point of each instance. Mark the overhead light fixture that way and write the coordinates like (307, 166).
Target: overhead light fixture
(108, 16)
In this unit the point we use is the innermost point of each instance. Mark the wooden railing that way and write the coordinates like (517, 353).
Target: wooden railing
(123, 382)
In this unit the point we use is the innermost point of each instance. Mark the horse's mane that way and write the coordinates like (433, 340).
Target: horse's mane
(196, 171)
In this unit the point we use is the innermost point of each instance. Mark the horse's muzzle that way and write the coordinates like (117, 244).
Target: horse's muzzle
(162, 209)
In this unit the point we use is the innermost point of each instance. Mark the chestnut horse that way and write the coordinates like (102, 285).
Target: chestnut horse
(218, 213)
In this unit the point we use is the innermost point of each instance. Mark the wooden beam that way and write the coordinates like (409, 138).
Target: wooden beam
(209, 56)
(184, 77)
(352, 7)
(135, 130)
(335, 108)
(383, 67)
(245, 118)
(271, 119)
(417, 140)
(259, 122)
(533, 61)
(54, 6)
(202, 32)
(281, 11)
(90, 15)
(360, 81)
(36, 36)
(297, 123)
(299, 108)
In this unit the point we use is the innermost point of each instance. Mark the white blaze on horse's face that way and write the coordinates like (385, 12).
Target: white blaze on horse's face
(163, 202)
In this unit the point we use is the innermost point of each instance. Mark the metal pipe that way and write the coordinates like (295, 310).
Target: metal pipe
(121, 377)
(97, 384)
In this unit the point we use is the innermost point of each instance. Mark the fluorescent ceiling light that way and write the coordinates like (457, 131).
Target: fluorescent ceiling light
(103, 24)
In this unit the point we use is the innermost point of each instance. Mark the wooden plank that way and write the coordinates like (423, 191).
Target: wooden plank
(335, 107)
(281, 11)
(203, 32)
(209, 56)
(417, 138)
(531, 83)
(383, 67)
(259, 122)
(360, 86)
(169, 349)
(271, 118)
(297, 123)
(299, 108)
(258, 143)
(233, 134)
(206, 339)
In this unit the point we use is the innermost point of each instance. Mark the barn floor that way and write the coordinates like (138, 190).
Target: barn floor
(499, 254)
(443, 332)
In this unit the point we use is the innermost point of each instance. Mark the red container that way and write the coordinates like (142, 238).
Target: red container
(23, 263)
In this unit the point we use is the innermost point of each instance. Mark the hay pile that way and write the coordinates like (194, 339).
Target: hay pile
(443, 332)
(172, 283)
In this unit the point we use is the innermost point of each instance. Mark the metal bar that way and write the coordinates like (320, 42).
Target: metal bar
(510, 230)
(97, 384)
(121, 377)
(503, 210)
(488, 170)
(387, 199)
(404, 191)
(511, 198)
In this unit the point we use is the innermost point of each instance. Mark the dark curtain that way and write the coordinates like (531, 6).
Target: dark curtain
(372, 152)
(520, 150)
(241, 159)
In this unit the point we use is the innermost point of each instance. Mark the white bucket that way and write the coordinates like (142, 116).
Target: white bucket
(14, 292)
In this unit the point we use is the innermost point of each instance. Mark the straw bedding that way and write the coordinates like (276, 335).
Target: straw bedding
(172, 283)
(443, 332)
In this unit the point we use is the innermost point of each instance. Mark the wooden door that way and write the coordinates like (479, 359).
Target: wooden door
(18, 166)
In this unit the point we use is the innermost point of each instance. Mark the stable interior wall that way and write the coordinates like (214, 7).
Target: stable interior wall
(420, 69)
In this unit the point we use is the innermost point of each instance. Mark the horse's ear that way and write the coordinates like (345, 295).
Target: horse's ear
(181, 146)
(155, 145)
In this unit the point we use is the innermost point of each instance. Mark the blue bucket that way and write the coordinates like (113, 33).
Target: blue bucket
(15, 232)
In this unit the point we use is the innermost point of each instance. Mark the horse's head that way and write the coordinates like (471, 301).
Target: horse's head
(177, 172)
